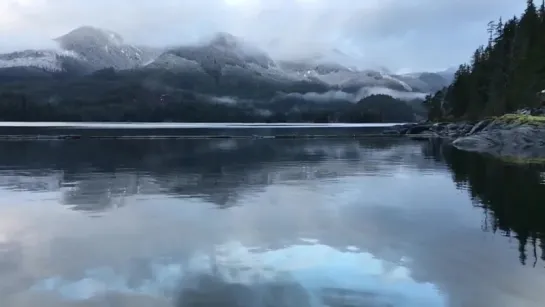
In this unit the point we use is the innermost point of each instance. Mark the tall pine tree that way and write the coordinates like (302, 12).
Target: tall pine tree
(504, 75)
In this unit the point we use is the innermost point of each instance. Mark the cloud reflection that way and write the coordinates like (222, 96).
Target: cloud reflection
(299, 275)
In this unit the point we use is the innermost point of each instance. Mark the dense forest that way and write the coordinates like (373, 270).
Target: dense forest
(159, 96)
(503, 75)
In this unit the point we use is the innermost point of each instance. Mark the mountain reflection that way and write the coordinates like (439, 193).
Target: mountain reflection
(512, 197)
(322, 222)
(98, 175)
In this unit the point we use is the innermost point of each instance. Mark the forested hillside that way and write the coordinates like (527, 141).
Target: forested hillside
(129, 96)
(504, 75)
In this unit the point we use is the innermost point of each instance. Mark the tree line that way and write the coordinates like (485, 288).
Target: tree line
(503, 75)
(132, 96)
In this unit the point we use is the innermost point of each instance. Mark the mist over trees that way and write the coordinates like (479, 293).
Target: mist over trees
(503, 75)
(28, 94)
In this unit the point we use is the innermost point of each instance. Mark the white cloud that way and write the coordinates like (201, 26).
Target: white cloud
(355, 97)
(418, 34)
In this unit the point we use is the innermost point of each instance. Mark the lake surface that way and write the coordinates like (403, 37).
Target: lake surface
(184, 130)
(119, 125)
(267, 222)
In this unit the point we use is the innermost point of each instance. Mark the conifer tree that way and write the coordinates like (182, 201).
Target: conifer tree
(504, 75)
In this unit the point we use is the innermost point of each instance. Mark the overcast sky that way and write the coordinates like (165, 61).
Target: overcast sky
(400, 35)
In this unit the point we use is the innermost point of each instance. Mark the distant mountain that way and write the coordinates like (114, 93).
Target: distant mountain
(93, 64)
(99, 49)
(428, 82)
(448, 74)
(224, 58)
(435, 80)
(83, 50)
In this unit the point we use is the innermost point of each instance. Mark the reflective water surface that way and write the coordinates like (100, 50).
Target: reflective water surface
(264, 222)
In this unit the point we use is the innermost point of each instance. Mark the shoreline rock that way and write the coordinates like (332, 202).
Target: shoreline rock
(516, 137)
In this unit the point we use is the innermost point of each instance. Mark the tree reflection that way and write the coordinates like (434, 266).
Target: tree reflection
(98, 175)
(512, 197)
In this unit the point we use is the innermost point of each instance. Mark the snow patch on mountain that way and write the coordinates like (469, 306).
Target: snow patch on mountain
(221, 51)
(173, 62)
(406, 86)
(86, 49)
(103, 48)
(49, 60)
(347, 79)
(221, 56)
(238, 48)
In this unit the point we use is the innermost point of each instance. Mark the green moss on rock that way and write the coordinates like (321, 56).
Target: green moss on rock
(521, 119)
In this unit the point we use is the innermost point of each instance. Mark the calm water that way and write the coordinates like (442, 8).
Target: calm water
(185, 130)
(126, 125)
(264, 222)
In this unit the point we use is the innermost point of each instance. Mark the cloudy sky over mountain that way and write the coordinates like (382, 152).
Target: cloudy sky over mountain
(400, 35)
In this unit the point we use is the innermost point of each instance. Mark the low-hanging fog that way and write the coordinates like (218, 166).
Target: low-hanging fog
(402, 36)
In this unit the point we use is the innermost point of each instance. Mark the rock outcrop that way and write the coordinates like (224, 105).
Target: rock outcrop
(521, 137)
(518, 137)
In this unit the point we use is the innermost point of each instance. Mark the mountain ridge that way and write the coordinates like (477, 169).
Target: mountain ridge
(95, 75)
(87, 49)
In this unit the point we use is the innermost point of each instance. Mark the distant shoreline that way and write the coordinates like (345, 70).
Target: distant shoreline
(183, 125)
(128, 131)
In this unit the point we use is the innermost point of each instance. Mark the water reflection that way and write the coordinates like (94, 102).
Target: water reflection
(97, 175)
(512, 198)
(371, 222)
(239, 277)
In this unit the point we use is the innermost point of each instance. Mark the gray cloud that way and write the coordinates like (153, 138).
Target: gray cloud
(401, 35)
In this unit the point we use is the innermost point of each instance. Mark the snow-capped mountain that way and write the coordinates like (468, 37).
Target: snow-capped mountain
(337, 69)
(103, 48)
(344, 78)
(222, 61)
(84, 49)
(223, 56)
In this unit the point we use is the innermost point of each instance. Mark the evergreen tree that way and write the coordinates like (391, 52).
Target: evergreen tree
(503, 76)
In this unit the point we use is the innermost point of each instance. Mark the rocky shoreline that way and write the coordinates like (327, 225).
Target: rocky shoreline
(518, 137)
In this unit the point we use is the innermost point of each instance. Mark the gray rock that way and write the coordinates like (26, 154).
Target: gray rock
(525, 111)
(480, 126)
(453, 134)
(465, 129)
(419, 129)
(452, 126)
(438, 127)
(506, 141)
(478, 143)
(398, 129)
